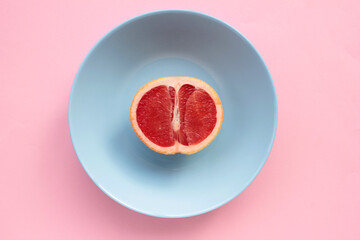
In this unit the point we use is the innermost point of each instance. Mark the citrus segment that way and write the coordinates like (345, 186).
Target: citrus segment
(154, 116)
(185, 92)
(199, 117)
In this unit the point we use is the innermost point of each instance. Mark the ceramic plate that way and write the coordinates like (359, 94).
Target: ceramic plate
(172, 43)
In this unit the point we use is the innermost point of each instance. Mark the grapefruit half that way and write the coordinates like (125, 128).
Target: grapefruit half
(176, 115)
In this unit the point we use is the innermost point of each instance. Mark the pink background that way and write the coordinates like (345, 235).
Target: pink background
(308, 189)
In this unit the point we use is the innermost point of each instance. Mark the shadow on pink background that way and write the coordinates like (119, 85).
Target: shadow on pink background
(308, 189)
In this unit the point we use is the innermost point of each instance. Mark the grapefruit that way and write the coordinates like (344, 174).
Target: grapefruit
(176, 115)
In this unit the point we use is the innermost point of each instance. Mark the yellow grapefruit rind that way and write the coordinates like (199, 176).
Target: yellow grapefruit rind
(177, 82)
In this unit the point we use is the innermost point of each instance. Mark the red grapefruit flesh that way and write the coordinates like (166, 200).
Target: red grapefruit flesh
(154, 115)
(176, 115)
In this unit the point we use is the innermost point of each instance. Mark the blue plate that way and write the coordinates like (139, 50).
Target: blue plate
(172, 43)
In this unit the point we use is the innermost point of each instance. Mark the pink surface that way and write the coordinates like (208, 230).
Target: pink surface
(308, 189)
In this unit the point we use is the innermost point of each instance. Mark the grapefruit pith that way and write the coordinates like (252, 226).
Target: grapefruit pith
(176, 115)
